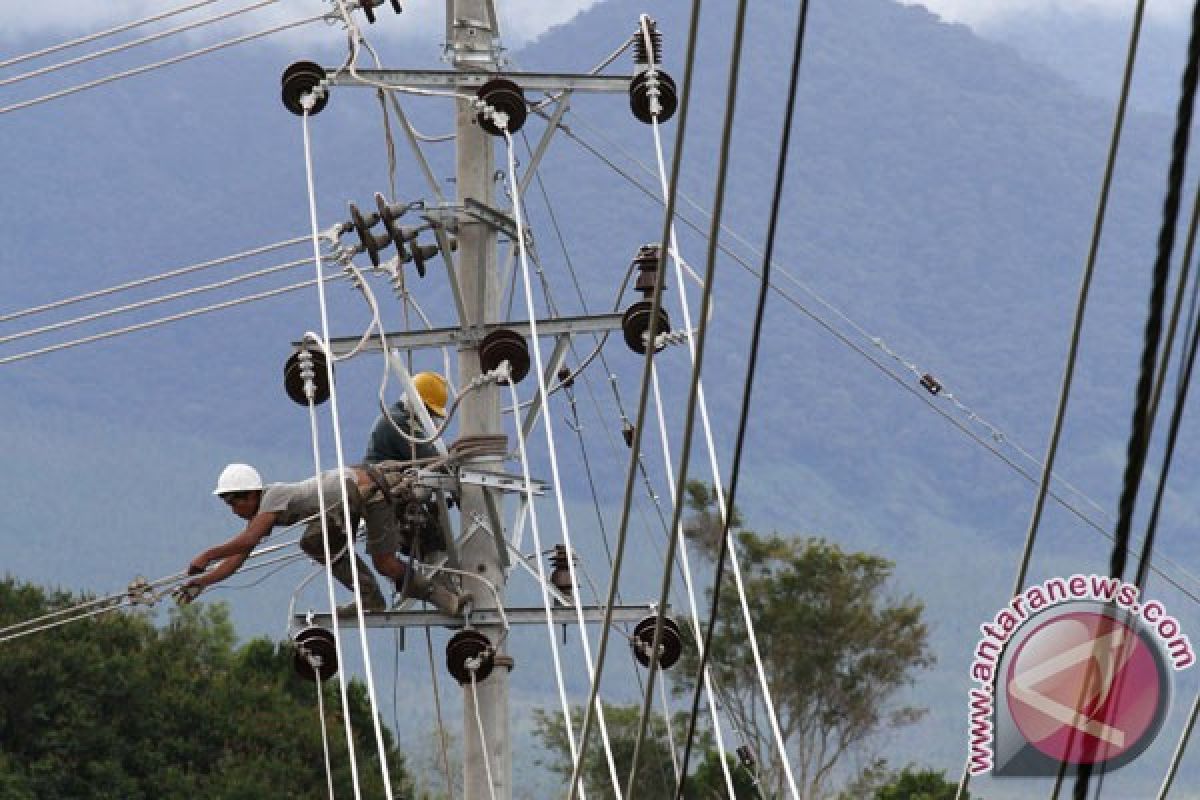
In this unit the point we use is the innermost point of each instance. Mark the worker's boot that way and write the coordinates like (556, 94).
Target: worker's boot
(368, 589)
(440, 592)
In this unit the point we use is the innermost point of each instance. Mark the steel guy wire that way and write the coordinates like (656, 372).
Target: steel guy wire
(153, 37)
(635, 445)
(166, 62)
(163, 320)
(348, 524)
(91, 37)
(152, 301)
(173, 273)
(548, 427)
(543, 582)
(1180, 749)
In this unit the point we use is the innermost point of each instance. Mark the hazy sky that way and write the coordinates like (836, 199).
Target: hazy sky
(982, 12)
(521, 19)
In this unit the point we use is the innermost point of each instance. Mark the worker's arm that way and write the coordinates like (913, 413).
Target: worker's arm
(232, 554)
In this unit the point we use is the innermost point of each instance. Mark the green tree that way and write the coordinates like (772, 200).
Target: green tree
(656, 773)
(913, 784)
(836, 648)
(117, 708)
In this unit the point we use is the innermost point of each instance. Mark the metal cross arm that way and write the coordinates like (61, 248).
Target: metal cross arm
(442, 337)
(450, 80)
(561, 615)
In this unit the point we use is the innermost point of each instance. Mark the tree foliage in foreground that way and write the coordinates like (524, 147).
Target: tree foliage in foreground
(656, 774)
(116, 708)
(836, 647)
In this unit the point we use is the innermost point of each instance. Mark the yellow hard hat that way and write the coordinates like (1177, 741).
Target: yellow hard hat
(434, 391)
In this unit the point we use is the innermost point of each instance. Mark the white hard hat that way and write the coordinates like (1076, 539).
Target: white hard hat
(238, 478)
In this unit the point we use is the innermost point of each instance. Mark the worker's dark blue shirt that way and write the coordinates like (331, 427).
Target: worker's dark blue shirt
(386, 444)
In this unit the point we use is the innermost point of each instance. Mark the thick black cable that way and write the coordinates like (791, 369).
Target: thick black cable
(1143, 420)
(744, 414)
(635, 445)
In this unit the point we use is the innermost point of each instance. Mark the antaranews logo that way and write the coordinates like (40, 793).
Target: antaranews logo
(1074, 670)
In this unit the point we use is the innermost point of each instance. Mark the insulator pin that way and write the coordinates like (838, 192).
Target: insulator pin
(640, 326)
(303, 371)
(467, 652)
(504, 97)
(640, 56)
(299, 80)
(503, 345)
(652, 94)
(670, 644)
(561, 576)
(315, 655)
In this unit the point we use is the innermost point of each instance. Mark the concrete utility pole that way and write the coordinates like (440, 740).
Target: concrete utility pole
(471, 29)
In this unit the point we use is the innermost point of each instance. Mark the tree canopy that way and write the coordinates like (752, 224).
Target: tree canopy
(119, 708)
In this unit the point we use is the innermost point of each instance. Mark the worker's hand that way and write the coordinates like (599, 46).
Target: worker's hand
(186, 593)
(197, 565)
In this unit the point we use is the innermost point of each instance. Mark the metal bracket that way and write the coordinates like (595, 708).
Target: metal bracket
(488, 617)
(500, 481)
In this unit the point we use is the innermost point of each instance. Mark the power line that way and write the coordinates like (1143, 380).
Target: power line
(153, 37)
(166, 62)
(102, 34)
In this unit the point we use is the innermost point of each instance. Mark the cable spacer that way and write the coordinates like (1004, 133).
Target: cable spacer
(501, 96)
(300, 80)
(306, 371)
(670, 646)
(315, 655)
(931, 384)
(469, 652)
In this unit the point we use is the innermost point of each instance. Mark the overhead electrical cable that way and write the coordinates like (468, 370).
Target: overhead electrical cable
(995, 433)
(166, 62)
(539, 369)
(141, 326)
(743, 418)
(152, 301)
(730, 107)
(149, 38)
(173, 273)
(1180, 749)
(1142, 424)
(91, 37)
(347, 522)
(543, 583)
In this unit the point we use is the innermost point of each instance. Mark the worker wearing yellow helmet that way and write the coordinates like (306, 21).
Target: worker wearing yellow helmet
(398, 436)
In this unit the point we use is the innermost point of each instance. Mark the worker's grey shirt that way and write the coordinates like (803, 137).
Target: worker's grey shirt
(387, 444)
(295, 502)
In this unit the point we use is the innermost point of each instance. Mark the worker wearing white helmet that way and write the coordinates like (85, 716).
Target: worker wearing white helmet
(265, 506)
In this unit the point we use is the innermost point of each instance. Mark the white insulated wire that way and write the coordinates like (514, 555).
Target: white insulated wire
(151, 301)
(487, 761)
(141, 326)
(91, 37)
(341, 462)
(543, 583)
(166, 62)
(117, 48)
(685, 562)
(324, 733)
(539, 368)
(764, 687)
(174, 273)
